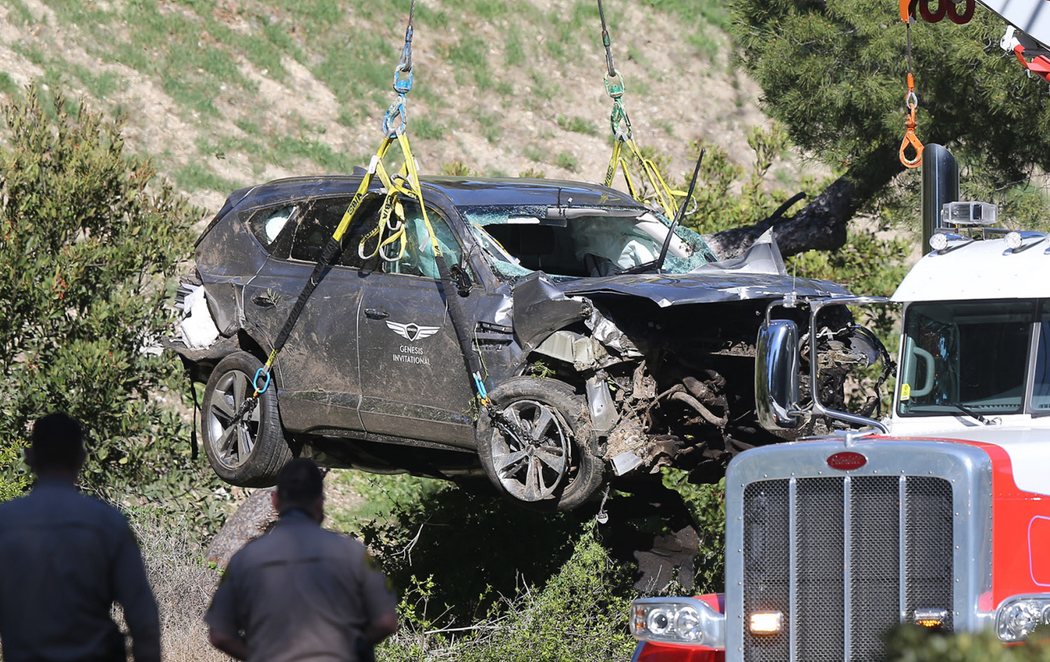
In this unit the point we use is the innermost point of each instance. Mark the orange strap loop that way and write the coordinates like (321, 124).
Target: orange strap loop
(911, 141)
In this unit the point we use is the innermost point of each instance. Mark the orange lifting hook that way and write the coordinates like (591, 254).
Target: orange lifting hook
(910, 139)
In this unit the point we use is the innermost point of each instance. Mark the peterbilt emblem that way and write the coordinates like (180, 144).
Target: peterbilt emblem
(412, 331)
(847, 461)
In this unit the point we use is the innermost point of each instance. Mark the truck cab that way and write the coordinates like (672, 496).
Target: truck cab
(976, 335)
(938, 514)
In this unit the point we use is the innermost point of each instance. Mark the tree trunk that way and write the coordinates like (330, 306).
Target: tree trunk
(253, 518)
(821, 225)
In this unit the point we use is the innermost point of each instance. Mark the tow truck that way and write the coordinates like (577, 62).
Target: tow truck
(938, 515)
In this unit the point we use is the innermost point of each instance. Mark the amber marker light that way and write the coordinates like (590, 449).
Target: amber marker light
(765, 623)
(930, 618)
(639, 619)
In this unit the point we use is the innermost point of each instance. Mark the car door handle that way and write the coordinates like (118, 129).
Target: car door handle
(376, 314)
(264, 301)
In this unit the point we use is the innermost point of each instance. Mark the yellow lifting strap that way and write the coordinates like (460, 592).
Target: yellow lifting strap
(392, 215)
(662, 194)
(623, 134)
(390, 227)
(389, 232)
(406, 184)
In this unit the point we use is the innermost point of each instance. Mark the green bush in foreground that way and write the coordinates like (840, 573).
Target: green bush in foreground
(580, 614)
(912, 644)
(89, 243)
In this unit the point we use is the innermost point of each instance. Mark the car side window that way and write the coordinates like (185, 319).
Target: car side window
(268, 225)
(418, 259)
(317, 224)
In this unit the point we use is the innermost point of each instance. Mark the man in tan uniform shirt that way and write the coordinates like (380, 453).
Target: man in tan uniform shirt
(300, 592)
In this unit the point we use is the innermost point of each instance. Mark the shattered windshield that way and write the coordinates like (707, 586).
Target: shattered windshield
(576, 242)
(971, 358)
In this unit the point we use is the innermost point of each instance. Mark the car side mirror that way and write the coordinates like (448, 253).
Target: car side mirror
(777, 375)
(461, 279)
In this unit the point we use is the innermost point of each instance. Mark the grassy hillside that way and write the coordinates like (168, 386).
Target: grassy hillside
(223, 93)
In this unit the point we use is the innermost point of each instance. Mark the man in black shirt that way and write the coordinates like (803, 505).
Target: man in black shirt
(65, 558)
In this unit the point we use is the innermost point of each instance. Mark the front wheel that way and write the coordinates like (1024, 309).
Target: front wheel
(537, 446)
(245, 446)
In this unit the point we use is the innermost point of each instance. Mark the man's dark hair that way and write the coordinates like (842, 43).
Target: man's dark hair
(299, 483)
(57, 443)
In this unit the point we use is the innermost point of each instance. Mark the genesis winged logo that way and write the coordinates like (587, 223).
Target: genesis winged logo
(412, 331)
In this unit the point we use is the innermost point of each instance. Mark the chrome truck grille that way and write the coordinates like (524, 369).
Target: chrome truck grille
(846, 556)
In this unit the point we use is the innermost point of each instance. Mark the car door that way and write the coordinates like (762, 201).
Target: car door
(317, 369)
(414, 381)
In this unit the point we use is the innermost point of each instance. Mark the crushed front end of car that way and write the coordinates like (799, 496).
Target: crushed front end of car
(667, 360)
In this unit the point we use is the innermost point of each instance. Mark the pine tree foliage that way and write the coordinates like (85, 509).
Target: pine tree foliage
(833, 72)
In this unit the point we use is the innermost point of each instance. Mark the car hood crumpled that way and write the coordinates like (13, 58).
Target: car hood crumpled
(758, 274)
(679, 289)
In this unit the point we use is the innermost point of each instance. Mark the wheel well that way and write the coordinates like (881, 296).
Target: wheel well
(201, 370)
(544, 364)
(540, 365)
(248, 344)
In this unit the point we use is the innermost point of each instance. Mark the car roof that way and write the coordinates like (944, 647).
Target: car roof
(462, 191)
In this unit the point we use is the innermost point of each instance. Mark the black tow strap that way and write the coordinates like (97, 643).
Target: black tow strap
(194, 446)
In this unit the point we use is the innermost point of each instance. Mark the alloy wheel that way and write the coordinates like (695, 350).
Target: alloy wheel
(531, 450)
(232, 440)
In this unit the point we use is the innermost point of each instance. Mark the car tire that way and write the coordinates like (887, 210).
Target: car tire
(248, 453)
(556, 466)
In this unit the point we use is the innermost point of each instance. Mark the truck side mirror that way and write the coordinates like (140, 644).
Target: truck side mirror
(777, 375)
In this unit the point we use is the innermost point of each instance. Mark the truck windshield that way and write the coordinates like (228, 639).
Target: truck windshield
(977, 357)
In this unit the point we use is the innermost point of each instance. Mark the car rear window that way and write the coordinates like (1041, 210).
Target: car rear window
(268, 225)
(317, 224)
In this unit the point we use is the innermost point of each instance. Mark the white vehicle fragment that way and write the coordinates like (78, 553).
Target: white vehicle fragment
(197, 326)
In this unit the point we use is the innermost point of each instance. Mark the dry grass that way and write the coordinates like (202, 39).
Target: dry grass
(206, 86)
(183, 585)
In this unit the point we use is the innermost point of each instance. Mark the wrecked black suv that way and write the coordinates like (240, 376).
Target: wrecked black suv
(600, 373)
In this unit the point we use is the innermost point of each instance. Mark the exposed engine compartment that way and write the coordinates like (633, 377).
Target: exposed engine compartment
(679, 379)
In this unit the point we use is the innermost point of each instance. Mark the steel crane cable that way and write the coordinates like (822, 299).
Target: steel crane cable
(910, 152)
(623, 139)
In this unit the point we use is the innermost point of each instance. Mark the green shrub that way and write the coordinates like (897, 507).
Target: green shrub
(482, 579)
(89, 243)
(435, 533)
(579, 614)
(706, 503)
(913, 644)
(457, 169)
